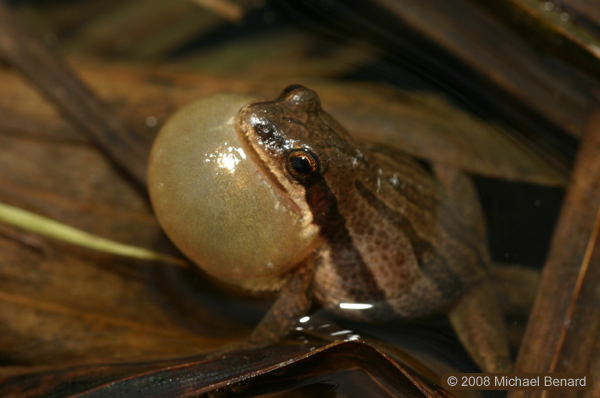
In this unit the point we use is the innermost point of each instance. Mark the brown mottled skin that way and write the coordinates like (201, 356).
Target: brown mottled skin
(393, 235)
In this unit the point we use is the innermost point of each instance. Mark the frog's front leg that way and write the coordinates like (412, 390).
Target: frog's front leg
(293, 302)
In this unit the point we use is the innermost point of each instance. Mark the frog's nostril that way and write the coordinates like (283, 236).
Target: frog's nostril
(264, 131)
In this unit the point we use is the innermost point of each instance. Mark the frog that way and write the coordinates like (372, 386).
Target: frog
(386, 237)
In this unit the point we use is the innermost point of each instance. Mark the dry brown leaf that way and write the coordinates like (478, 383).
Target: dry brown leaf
(564, 324)
(64, 305)
(509, 62)
(283, 53)
(142, 29)
(567, 29)
(228, 10)
(347, 368)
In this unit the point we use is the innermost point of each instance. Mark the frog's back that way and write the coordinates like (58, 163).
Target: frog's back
(398, 242)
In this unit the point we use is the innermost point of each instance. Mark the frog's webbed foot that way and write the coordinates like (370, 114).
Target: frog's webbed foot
(478, 322)
(293, 302)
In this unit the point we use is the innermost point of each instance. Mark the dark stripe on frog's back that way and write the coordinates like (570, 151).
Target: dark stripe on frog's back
(450, 225)
(458, 230)
(432, 263)
(348, 262)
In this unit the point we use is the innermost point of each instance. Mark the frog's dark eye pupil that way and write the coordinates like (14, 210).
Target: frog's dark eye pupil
(303, 164)
(290, 88)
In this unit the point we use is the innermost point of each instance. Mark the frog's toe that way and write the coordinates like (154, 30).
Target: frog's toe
(477, 320)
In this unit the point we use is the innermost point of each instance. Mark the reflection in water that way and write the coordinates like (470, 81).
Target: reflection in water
(355, 306)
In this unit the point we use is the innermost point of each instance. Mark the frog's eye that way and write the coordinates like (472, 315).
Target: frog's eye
(302, 164)
(290, 88)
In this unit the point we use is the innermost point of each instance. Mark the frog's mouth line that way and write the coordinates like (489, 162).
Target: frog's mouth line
(286, 192)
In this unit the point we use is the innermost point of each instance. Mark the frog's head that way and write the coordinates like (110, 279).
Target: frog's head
(297, 143)
(243, 188)
(220, 205)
